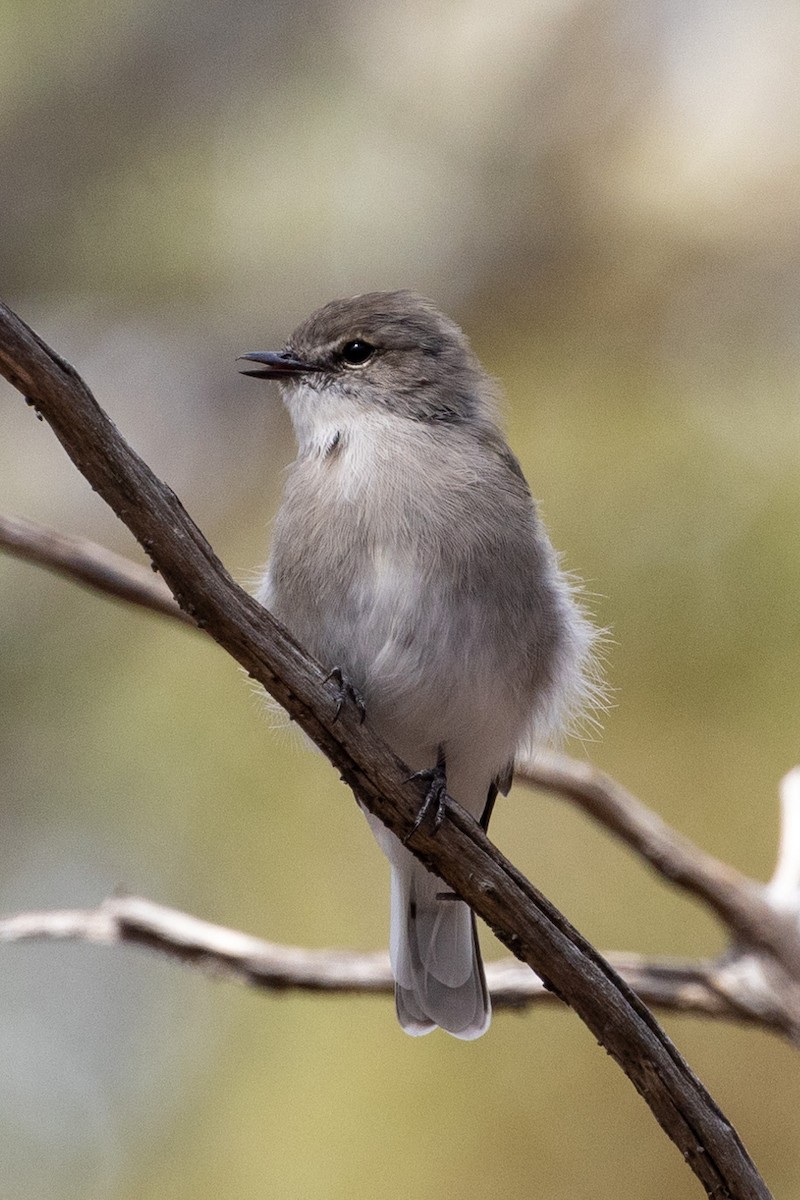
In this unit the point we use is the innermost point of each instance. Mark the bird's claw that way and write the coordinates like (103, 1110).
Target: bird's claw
(345, 690)
(435, 798)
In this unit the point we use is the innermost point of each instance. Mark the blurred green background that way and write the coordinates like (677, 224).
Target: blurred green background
(605, 196)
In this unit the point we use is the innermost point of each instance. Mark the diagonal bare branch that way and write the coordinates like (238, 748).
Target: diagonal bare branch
(459, 853)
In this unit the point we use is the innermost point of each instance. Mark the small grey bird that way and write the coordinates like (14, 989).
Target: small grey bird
(408, 555)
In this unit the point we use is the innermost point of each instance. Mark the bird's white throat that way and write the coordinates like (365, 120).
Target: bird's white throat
(329, 426)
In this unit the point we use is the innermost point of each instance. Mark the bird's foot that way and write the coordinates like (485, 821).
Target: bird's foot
(345, 690)
(434, 803)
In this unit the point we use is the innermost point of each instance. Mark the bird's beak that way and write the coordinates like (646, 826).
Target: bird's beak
(271, 364)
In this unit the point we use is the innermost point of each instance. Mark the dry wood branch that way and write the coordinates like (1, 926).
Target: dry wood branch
(459, 853)
(672, 984)
(93, 565)
(741, 903)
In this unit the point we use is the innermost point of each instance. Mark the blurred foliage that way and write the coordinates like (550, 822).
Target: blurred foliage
(604, 195)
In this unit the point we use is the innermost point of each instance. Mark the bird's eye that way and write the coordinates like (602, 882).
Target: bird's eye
(357, 352)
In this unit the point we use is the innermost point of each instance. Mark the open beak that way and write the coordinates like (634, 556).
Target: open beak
(271, 364)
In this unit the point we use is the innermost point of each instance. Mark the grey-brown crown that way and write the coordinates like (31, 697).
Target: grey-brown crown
(393, 349)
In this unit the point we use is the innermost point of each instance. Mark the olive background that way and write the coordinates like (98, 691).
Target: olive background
(605, 196)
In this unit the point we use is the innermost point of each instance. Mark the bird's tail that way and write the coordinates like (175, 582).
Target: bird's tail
(436, 961)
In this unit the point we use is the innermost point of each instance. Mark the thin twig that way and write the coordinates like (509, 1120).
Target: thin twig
(89, 563)
(671, 984)
(741, 903)
(459, 852)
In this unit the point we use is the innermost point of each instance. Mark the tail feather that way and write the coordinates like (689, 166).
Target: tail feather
(439, 979)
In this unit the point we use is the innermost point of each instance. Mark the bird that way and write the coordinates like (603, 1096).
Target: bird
(408, 557)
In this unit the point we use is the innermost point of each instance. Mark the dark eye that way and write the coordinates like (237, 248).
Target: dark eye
(357, 352)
